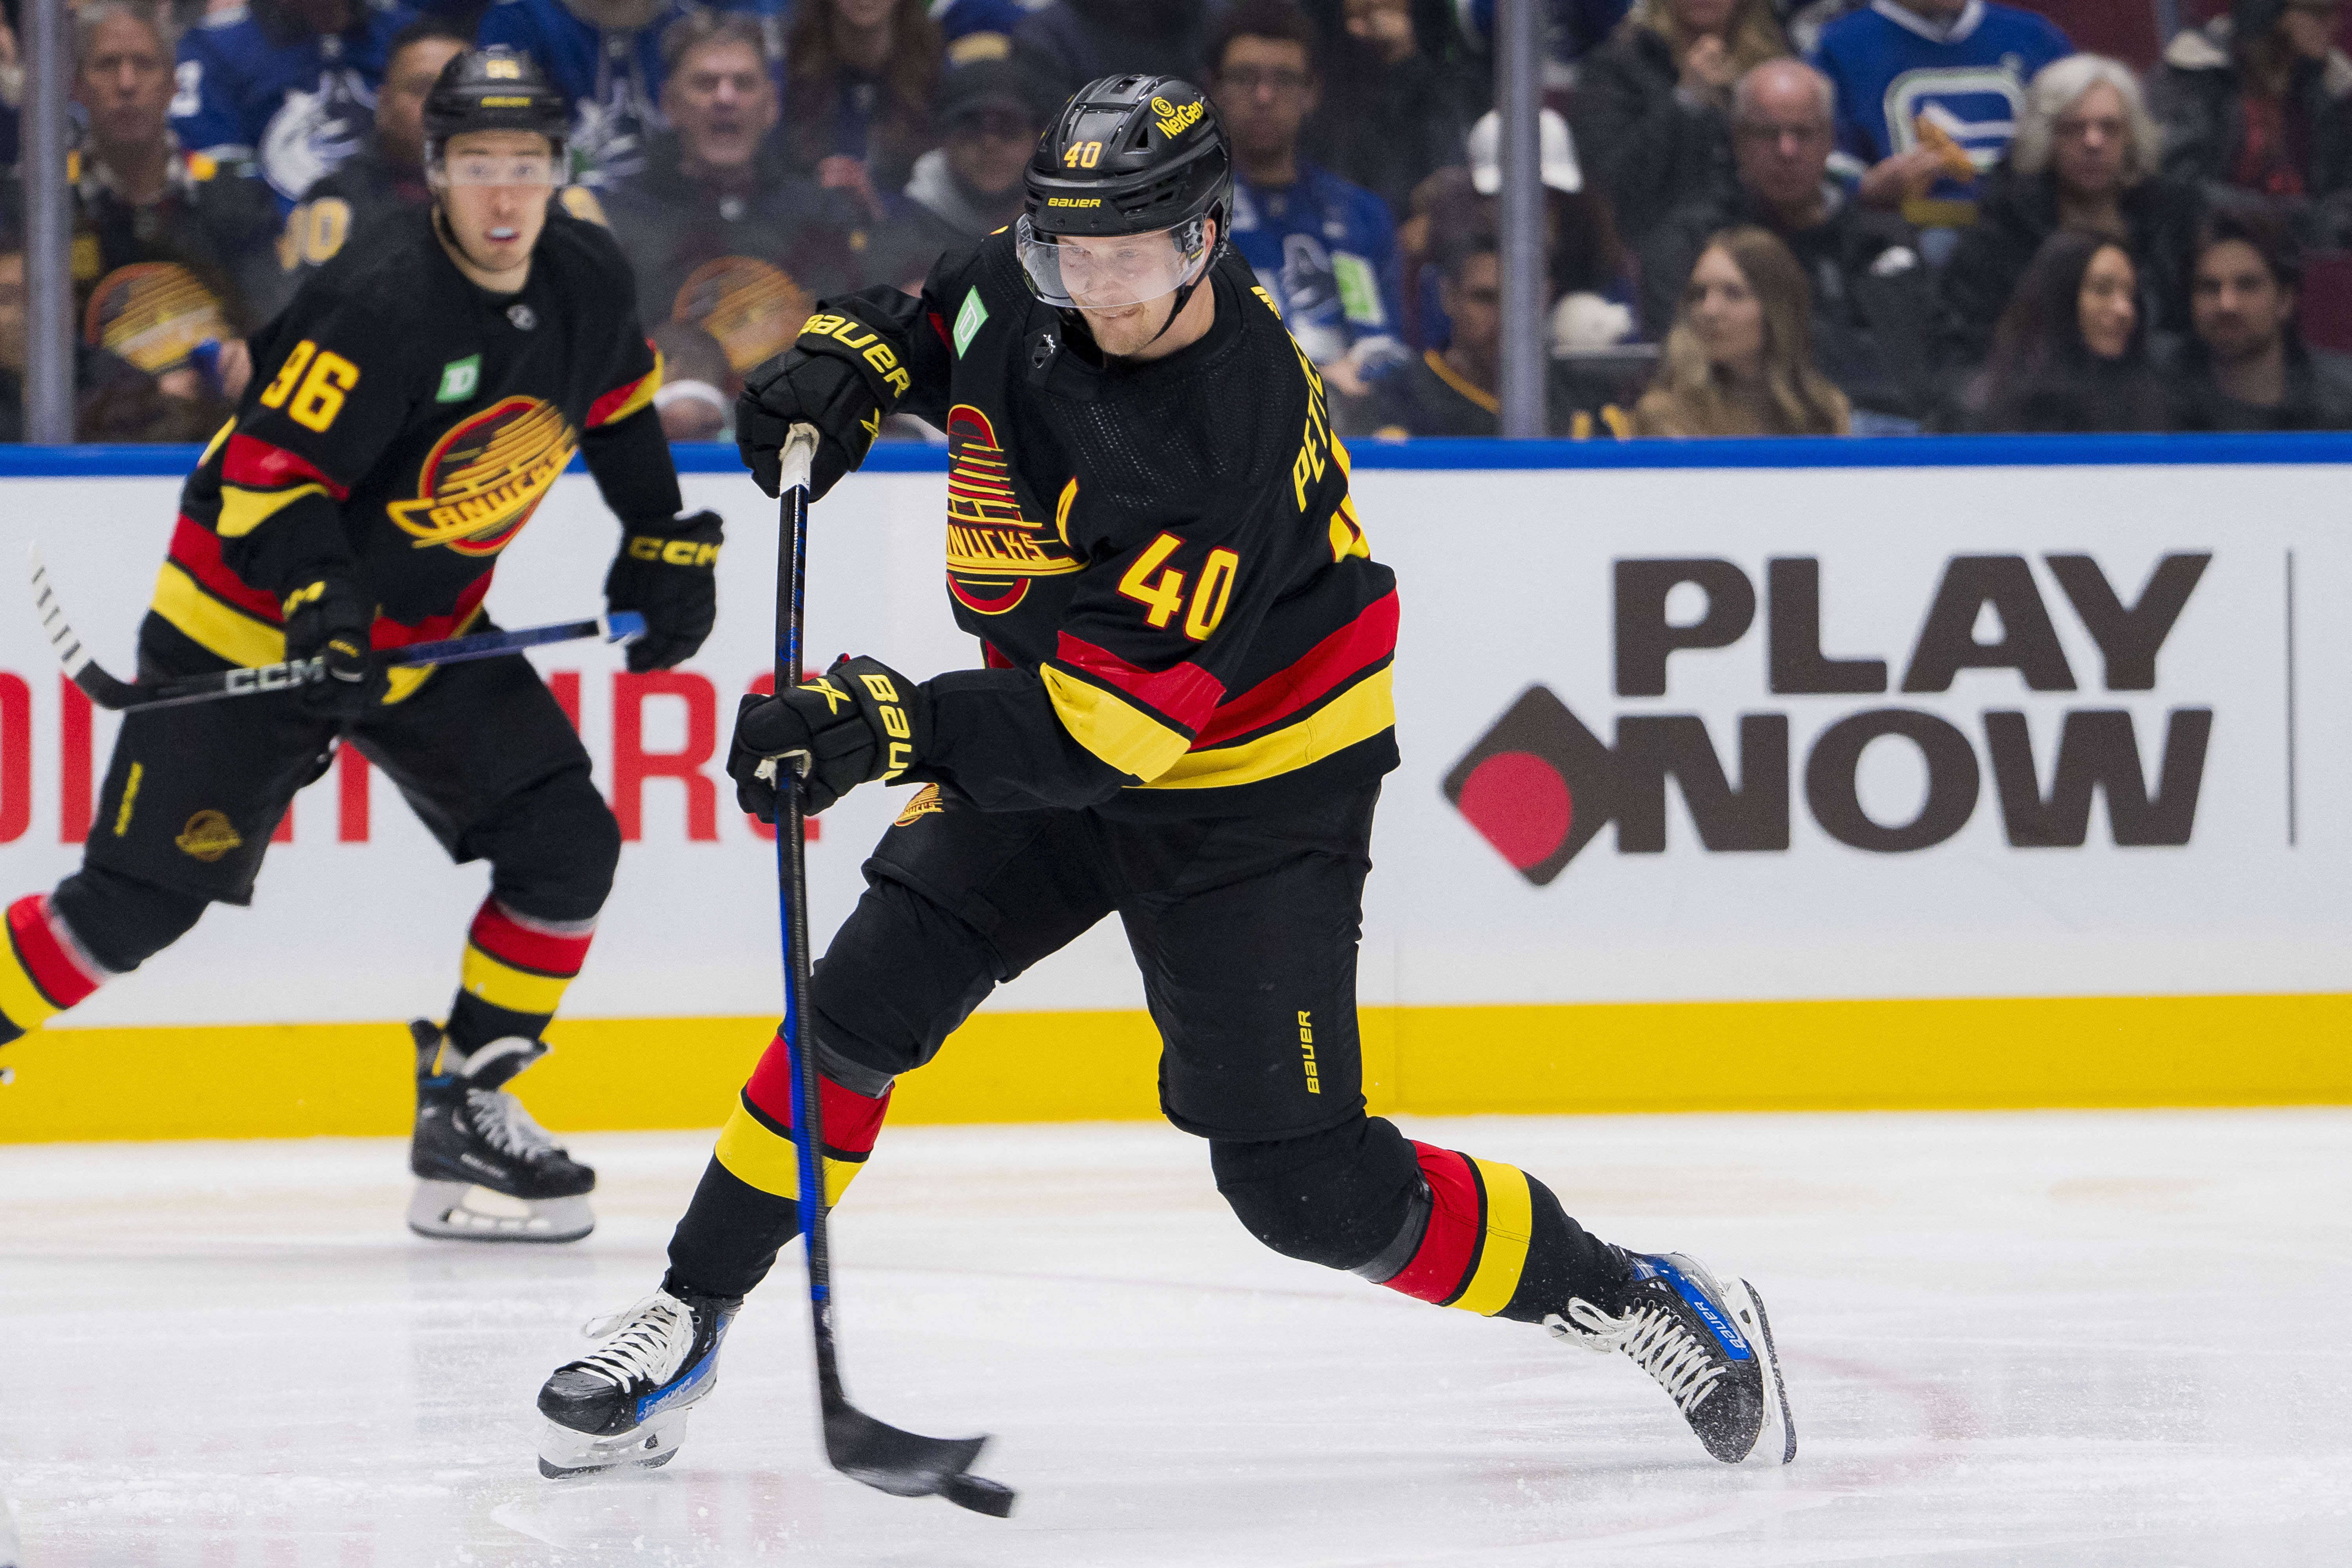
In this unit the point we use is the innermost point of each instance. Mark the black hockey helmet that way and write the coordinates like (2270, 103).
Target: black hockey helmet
(1129, 154)
(494, 88)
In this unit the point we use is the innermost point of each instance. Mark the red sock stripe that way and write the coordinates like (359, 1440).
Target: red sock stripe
(1449, 1249)
(508, 941)
(60, 977)
(852, 1122)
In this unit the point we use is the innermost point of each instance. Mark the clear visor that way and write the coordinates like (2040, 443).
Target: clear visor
(1111, 273)
(499, 169)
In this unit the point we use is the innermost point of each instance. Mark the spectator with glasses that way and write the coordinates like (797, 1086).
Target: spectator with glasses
(991, 112)
(1654, 103)
(1323, 249)
(2086, 156)
(1739, 360)
(1871, 297)
(2245, 365)
(2261, 98)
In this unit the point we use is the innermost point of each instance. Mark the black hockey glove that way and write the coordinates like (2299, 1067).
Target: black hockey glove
(839, 377)
(672, 580)
(858, 721)
(328, 618)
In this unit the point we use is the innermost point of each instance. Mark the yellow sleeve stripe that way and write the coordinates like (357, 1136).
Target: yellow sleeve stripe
(1358, 713)
(760, 1158)
(21, 1001)
(1503, 1253)
(502, 985)
(1114, 730)
(231, 633)
(243, 510)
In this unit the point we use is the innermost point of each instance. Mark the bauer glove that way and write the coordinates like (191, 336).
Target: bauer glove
(858, 721)
(329, 619)
(672, 580)
(841, 378)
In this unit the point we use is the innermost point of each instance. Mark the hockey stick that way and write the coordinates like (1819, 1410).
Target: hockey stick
(859, 1447)
(117, 696)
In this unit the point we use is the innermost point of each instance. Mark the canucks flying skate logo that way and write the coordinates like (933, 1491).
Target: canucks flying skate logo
(995, 550)
(482, 480)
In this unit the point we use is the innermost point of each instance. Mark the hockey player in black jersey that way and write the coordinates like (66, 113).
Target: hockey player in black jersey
(407, 412)
(1184, 720)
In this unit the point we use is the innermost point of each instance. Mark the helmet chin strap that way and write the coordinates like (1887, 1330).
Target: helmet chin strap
(1184, 291)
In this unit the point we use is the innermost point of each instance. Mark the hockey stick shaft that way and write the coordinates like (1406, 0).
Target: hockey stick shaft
(119, 696)
(903, 1464)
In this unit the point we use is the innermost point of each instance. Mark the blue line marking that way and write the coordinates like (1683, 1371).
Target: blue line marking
(2290, 449)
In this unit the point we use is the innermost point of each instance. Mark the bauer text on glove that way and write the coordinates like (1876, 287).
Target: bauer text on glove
(841, 378)
(672, 579)
(859, 721)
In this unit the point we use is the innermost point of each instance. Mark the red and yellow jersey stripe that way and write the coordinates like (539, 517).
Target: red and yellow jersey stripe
(1176, 728)
(629, 398)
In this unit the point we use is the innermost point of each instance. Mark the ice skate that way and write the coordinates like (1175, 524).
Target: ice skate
(626, 1401)
(486, 1170)
(1709, 1348)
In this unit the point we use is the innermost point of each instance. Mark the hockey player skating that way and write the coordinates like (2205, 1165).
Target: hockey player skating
(1184, 718)
(408, 411)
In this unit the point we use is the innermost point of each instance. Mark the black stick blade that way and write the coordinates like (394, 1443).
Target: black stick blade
(904, 1464)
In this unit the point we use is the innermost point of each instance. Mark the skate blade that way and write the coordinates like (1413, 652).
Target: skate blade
(565, 1455)
(1778, 1438)
(461, 1211)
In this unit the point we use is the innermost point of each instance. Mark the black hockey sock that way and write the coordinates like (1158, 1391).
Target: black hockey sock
(730, 1237)
(474, 1023)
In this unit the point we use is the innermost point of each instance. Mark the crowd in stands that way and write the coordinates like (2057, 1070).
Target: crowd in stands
(1761, 216)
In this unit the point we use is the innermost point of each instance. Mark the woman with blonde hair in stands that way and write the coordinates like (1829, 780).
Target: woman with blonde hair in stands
(1654, 103)
(1739, 360)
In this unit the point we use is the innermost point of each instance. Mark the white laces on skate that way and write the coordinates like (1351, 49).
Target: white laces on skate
(1657, 1341)
(652, 1343)
(500, 1118)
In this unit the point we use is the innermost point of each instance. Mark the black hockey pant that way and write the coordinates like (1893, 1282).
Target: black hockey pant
(481, 751)
(1245, 930)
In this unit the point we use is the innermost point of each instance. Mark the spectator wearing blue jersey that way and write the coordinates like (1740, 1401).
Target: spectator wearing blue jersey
(980, 29)
(861, 90)
(1325, 250)
(1653, 104)
(2087, 157)
(606, 56)
(1928, 89)
(290, 84)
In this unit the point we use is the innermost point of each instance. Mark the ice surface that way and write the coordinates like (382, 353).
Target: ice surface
(2041, 1339)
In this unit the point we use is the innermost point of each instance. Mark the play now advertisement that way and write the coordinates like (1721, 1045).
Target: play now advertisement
(1669, 735)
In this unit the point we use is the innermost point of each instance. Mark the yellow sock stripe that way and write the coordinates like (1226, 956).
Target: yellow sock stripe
(1503, 1255)
(764, 1160)
(21, 1001)
(503, 985)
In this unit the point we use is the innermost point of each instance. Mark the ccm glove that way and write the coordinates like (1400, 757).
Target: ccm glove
(859, 721)
(672, 580)
(840, 377)
(329, 619)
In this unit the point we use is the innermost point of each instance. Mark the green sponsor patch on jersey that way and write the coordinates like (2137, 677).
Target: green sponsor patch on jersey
(969, 321)
(459, 378)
